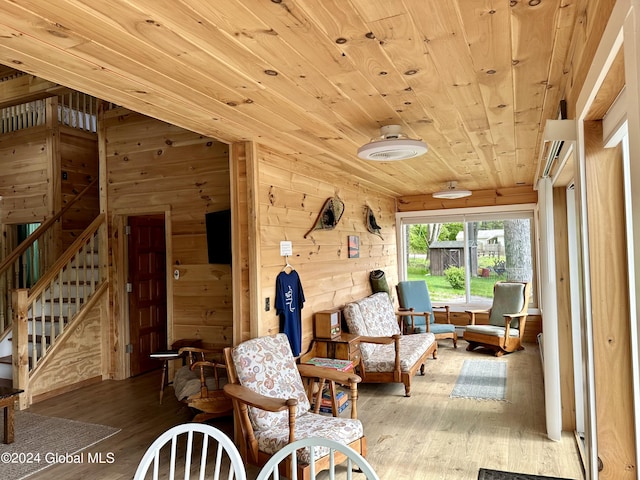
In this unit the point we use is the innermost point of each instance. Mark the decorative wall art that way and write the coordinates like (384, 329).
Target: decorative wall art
(329, 216)
(354, 246)
(370, 221)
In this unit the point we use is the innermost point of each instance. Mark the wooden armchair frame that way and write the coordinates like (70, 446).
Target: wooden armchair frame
(378, 326)
(505, 343)
(413, 313)
(211, 403)
(396, 375)
(244, 397)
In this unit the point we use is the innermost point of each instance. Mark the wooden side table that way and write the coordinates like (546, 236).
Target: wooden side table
(7, 401)
(333, 394)
(344, 347)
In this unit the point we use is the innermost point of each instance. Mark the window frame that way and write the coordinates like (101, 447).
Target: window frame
(466, 215)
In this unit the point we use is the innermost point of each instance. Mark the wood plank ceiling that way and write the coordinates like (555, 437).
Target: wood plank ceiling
(475, 79)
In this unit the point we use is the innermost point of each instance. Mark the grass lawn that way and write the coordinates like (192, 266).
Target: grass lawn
(440, 289)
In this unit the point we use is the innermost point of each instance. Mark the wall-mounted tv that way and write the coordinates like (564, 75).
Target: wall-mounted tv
(219, 236)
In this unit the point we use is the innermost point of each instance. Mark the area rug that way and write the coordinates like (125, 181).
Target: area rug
(41, 441)
(486, 474)
(481, 379)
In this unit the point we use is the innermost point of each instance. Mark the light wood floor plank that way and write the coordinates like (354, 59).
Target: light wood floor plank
(428, 436)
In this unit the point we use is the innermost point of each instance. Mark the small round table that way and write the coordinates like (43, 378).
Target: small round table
(165, 357)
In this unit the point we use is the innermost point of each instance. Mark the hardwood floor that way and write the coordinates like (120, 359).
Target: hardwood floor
(428, 436)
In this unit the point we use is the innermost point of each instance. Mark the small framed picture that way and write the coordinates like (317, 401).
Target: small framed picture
(354, 246)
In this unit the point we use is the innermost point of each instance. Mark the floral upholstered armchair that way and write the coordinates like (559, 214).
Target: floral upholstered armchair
(272, 407)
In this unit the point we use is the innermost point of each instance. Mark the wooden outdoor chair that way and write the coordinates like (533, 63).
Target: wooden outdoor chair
(199, 384)
(272, 407)
(507, 320)
(418, 311)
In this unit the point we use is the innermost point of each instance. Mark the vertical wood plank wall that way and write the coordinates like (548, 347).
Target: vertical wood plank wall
(150, 167)
(24, 176)
(244, 237)
(31, 183)
(292, 191)
(610, 307)
(563, 292)
(79, 164)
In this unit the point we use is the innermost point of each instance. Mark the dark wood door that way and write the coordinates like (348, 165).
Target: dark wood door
(148, 285)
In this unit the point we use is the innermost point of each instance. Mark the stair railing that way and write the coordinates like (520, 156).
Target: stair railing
(30, 253)
(44, 312)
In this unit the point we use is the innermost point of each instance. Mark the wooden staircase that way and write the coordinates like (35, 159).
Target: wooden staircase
(52, 312)
(34, 320)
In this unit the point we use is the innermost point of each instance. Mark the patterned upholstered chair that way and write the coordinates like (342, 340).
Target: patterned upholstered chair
(413, 295)
(387, 355)
(507, 319)
(272, 407)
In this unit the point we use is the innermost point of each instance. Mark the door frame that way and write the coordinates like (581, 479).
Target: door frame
(120, 275)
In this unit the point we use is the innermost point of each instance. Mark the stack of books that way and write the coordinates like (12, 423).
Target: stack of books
(342, 401)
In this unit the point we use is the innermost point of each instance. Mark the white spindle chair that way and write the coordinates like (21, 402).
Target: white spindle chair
(185, 439)
(270, 470)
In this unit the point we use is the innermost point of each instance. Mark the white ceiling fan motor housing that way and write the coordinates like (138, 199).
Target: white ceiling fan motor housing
(392, 145)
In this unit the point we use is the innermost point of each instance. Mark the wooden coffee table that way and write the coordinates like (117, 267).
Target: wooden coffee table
(7, 401)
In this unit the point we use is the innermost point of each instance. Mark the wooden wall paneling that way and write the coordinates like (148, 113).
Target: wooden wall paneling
(565, 340)
(117, 296)
(292, 192)
(202, 303)
(587, 36)
(245, 260)
(53, 243)
(79, 166)
(253, 324)
(170, 285)
(610, 307)
(24, 180)
(112, 361)
(154, 167)
(192, 247)
(479, 198)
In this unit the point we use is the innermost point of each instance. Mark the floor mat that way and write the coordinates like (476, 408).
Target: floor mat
(487, 474)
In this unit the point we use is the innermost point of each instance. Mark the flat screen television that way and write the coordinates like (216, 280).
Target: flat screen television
(218, 226)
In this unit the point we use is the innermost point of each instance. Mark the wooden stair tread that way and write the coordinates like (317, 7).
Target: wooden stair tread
(6, 382)
(6, 360)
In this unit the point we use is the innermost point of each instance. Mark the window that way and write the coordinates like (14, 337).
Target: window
(461, 254)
